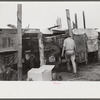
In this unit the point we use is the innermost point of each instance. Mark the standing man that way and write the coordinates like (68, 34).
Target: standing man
(69, 48)
(29, 60)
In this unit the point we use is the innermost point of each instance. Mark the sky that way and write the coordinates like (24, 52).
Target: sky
(44, 14)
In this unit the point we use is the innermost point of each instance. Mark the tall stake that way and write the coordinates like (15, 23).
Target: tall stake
(19, 30)
(84, 20)
(74, 25)
(41, 49)
(76, 21)
(69, 22)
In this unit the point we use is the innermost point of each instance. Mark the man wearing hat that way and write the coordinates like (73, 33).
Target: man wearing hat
(29, 59)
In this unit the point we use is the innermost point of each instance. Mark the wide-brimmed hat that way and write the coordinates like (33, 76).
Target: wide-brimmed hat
(28, 51)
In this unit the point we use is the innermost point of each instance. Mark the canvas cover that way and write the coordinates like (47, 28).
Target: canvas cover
(92, 38)
(80, 41)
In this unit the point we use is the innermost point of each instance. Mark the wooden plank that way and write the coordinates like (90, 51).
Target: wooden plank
(19, 38)
(74, 25)
(84, 24)
(69, 22)
(76, 21)
(41, 49)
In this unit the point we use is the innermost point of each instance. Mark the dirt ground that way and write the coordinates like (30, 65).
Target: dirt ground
(90, 72)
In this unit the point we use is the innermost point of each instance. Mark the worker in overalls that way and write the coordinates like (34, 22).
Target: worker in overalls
(69, 48)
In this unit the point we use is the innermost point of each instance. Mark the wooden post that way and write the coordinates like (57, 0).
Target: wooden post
(69, 22)
(84, 20)
(76, 20)
(19, 39)
(58, 21)
(74, 25)
(41, 49)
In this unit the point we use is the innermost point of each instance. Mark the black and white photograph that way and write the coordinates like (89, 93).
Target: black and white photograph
(50, 41)
(50, 49)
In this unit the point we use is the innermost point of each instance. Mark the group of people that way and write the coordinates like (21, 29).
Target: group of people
(68, 52)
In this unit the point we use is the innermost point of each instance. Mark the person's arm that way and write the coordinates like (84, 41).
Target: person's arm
(75, 46)
(63, 51)
(63, 48)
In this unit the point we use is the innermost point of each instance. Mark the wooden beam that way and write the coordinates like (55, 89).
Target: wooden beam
(74, 25)
(84, 24)
(19, 39)
(41, 49)
(69, 22)
(76, 21)
(53, 27)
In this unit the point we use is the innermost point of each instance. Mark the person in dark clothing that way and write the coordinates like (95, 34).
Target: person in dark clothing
(29, 60)
(52, 54)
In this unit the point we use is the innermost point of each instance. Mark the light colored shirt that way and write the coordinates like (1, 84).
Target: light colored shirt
(69, 44)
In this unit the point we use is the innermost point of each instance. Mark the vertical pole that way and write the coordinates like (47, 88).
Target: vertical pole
(19, 39)
(69, 22)
(74, 26)
(41, 49)
(76, 21)
(84, 20)
(58, 21)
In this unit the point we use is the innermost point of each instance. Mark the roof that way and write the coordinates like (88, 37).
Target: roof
(58, 31)
(90, 32)
(14, 31)
(31, 31)
(7, 30)
(7, 50)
